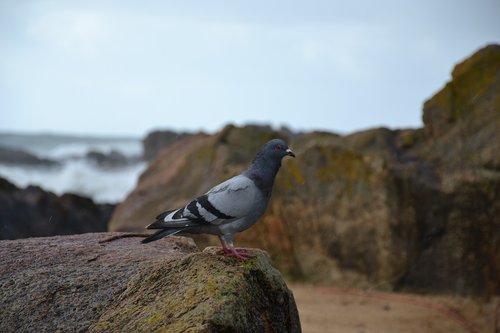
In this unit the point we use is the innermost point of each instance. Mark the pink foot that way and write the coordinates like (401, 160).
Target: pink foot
(241, 254)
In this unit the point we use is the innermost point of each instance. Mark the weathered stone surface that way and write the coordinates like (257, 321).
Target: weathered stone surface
(158, 140)
(33, 212)
(470, 99)
(76, 284)
(414, 208)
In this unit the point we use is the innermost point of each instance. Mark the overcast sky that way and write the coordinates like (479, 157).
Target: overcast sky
(127, 67)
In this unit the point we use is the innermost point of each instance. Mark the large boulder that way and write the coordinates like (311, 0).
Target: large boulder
(33, 212)
(456, 194)
(76, 284)
(396, 209)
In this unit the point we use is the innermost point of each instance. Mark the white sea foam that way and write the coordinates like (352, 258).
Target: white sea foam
(75, 149)
(80, 177)
(76, 174)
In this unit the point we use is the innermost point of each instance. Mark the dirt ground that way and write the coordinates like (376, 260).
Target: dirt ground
(328, 309)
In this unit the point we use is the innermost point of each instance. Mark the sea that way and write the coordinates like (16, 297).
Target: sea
(74, 171)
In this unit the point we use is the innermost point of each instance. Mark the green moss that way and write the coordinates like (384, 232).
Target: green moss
(472, 80)
(202, 292)
(342, 164)
(407, 139)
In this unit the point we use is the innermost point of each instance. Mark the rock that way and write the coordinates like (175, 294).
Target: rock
(33, 212)
(18, 157)
(156, 179)
(75, 284)
(456, 237)
(409, 209)
(474, 83)
(455, 202)
(462, 121)
(113, 159)
(158, 140)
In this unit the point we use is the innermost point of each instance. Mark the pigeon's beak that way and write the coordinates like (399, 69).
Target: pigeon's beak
(289, 152)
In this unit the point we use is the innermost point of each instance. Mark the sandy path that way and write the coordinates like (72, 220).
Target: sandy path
(356, 311)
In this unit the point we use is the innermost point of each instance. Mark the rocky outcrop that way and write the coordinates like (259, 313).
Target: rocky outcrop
(113, 159)
(33, 212)
(396, 209)
(158, 140)
(76, 284)
(18, 157)
(462, 121)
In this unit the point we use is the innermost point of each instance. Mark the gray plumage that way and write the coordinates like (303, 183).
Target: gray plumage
(230, 207)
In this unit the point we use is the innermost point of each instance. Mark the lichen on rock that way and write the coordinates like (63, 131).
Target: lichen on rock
(204, 292)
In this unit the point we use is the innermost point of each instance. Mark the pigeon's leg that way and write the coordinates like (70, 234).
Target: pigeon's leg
(229, 250)
(225, 248)
(241, 252)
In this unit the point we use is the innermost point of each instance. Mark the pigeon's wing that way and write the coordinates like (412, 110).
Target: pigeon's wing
(235, 197)
(226, 202)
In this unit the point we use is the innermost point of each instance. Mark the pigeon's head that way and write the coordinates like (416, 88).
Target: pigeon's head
(266, 164)
(276, 149)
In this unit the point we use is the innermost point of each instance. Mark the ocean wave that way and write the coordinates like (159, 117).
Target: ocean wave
(80, 177)
(129, 149)
(104, 169)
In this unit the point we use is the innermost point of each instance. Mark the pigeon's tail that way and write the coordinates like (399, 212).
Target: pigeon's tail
(160, 234)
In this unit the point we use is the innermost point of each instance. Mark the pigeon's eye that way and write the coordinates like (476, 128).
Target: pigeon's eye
(278, 147)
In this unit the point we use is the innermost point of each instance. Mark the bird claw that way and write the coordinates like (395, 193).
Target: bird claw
(241, 254)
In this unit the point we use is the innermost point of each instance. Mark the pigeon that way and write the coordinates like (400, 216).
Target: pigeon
(230, 207)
